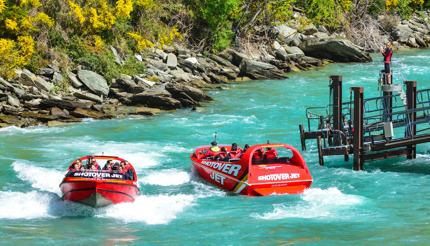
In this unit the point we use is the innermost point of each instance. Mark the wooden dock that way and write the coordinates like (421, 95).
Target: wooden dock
(381, 127)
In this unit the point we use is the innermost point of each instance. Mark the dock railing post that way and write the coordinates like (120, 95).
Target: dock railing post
(411, 102)
(336, 87)
(358, 128)
(388, 102)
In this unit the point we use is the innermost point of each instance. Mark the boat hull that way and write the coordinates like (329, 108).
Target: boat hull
(98, 193)
(246, 176)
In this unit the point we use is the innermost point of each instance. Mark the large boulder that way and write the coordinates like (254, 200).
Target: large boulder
(94, 81)
(187, 95)
(285, 32)
(338, 50)
(260, 70)
(30, 79)
(171, 60)
(156, 99)
(402, 33)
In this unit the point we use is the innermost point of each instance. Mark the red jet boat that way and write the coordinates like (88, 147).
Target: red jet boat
(98, 188)
(285, 173)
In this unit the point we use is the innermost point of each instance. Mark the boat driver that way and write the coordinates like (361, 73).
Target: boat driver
(270, 154)
(213, 150)
(92, 165)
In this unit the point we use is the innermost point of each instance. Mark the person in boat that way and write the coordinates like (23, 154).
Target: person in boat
(235, 152)
(387, 53)
(257, 157)
(213, 150)
(116, 168)
(270, 154)
(77, 166)
(125, 168)
(108, 166)
(222, 155)
(92, 165)
(245, 148)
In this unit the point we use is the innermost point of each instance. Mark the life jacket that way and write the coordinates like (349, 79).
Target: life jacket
(211, 153)
(235, 154)
(221, 156)
(257, 156)
(215, 149)
(270, 154)
(388, 53)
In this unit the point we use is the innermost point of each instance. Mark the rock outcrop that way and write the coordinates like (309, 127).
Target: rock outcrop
(338, 50)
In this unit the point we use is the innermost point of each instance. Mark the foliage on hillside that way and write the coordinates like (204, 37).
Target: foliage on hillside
(34, 33)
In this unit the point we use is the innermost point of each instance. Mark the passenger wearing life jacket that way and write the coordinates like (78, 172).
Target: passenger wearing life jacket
(257, 156)
(77, 166)
(222, 155)
(213, 150)
(92, 165)
(235, 152)
(387, 53)
(245, 148)
(108, 166)
(125, 168)
(270, 154)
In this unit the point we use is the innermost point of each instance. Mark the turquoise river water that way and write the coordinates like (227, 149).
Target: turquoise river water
(388, 203)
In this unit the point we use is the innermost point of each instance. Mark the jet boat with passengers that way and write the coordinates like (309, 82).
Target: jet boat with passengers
(87, 183)
(259, 170)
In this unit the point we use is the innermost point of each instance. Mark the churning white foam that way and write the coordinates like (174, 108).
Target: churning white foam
(317, 203)
(40, 178)
(19, 205)
(10, 130)
(166, 177)
(158, 209)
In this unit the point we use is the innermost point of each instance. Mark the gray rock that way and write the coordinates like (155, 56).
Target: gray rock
(138, 57)
(338, 50)
(88, 96)
(294, 50)
(294, 40)
(236, 57)
(310, 29)
(46, 71)
(75, 81)
(161, 54)
(33, 102)
(171, 60)
(118, 59)
(191, 61)
(156, 99)
(321, 35)
(285, 32)
(95, 82)
(5, 83)
(19, 92)
(412, 42)
(181, 75)
(57, 78)
(28, 78)
(322, 29)
(187, 95)
(402, 33)
(260, 70)
(13, 101)
(126, 83)
(55, 111)
(65, 104)
(281, 54)
(146, 82)
(420, 41)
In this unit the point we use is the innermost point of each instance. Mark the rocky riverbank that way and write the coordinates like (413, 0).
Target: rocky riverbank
(177, 77)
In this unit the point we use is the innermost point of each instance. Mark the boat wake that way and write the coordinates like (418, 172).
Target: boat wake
(40, 178)
(45, 200)
(316, 203)
(166, 177)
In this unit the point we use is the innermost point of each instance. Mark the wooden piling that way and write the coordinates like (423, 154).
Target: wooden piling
(411, 99)
(358, 128)
(336, 87)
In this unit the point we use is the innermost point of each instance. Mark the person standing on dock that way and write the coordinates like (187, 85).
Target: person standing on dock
(387, 52)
